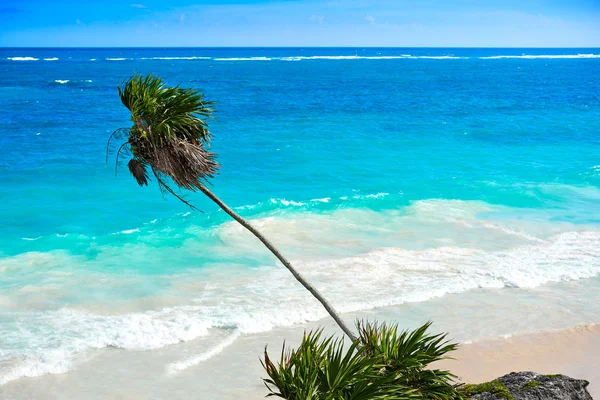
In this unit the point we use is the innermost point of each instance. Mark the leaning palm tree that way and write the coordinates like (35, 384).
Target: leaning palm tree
(169, 139)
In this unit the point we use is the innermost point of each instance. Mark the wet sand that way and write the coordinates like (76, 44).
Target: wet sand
(225, 366)
(116, 374)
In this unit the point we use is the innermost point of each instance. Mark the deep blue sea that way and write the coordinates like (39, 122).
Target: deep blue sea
(387, 176)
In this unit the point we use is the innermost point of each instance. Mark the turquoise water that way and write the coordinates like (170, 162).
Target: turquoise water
(386, 175)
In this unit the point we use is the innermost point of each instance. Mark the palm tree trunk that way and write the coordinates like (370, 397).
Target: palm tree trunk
(334, 314)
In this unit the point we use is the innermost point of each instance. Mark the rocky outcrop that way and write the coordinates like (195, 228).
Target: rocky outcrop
(530, 386)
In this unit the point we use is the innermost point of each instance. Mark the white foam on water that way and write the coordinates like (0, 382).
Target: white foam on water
(377, 195)
(300, 203)
(370, 196)
(355, 57)
(441, 57)
(32, 239)
(258, 300)
(51, 59)
(115, 59)
(176, 367)
(299, 58)
(287, 202)
(549, 56)
(408, 56)
(175, 58)
(61, 81)
(55, 338)
(361, 259)
(248, 206)
(23, 58)
(126, 231)
(243, 59)
(593, 172)
(51, 363)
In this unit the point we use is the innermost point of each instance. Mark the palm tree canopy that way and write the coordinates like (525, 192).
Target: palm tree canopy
(169, 135)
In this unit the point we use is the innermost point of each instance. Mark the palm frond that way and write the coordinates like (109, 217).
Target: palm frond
(169, 111)
(123, 152)
(166, 188)
(119, 134)
(406, 355)
(382, 364)
(169, 134)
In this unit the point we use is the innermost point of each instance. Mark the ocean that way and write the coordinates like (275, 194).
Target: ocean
(459, 185)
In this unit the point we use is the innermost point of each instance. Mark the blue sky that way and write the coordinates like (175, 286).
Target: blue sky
(401, 23)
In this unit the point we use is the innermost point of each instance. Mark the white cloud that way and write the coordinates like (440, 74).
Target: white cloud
(370, 19)
(137, 5)
(317, 18)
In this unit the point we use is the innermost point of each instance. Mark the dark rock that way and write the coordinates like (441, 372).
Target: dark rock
(530, 386)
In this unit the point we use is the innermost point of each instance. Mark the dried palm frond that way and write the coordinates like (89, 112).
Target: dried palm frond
(138, 170)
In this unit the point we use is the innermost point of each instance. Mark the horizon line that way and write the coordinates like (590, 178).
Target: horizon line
(293, 47)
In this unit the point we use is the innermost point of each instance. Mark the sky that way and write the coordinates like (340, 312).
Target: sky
(355, 23)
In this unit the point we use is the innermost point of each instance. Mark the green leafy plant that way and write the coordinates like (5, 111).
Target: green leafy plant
(381, 364)
(406, 354)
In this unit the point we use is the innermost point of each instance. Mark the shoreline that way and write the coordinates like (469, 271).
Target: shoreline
(225, 364)
(236, 372)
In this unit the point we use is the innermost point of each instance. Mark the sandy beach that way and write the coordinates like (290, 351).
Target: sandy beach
(503, 331)
(574, 352)
(117, 374)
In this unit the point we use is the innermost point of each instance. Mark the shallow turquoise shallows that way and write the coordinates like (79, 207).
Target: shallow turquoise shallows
(386, 175)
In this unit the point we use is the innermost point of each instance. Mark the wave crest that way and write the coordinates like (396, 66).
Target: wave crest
(23, 58)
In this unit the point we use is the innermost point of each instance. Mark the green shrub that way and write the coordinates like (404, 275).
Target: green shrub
(407, 355)
(382, 364)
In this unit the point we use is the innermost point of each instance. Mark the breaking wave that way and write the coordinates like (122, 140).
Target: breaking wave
(23, 58)
(549, 56)
(332, 57)
(361, 258)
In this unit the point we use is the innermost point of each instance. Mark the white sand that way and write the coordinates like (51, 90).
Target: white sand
(573, 352)
(233, 371)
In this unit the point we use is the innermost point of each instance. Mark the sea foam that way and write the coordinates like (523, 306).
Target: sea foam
(23, 58)
(543, 56)
(174, 368)
(176, 58)
(362, 259)
(243, 59)
(55, 338)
